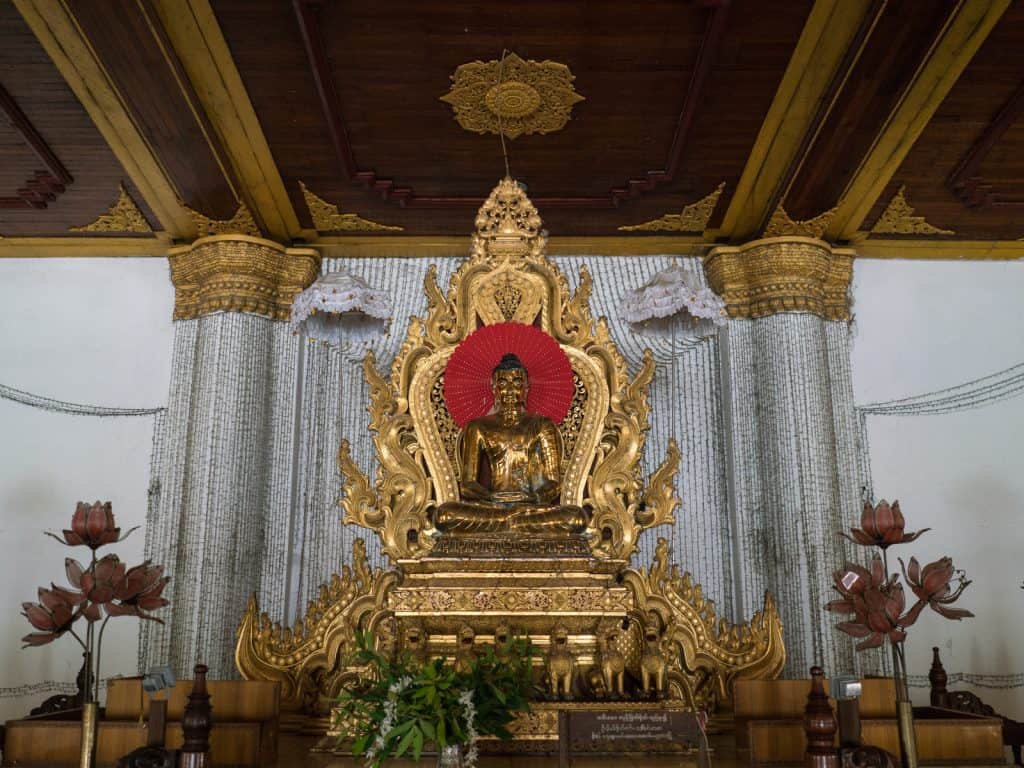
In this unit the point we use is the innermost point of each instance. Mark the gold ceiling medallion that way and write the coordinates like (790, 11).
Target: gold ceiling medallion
(781, 225)
(898, 219)
(694, 217)
(239, 273)
(124, 216)
(527, 96)
(241, 223)
(326, 217)
(791, 274)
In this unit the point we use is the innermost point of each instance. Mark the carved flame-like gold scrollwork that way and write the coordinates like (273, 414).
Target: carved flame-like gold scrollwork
(507, 277)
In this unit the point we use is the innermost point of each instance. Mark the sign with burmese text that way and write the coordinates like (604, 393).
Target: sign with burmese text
(631, 730)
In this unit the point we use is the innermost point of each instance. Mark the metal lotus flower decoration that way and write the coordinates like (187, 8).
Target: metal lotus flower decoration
(102, 590)
(878, 603)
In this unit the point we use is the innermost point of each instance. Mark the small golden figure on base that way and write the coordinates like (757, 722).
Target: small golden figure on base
(465, 653)
(561, 665)
(613, 665)
(653, 666)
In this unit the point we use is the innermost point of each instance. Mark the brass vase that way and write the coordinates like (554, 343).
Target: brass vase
(90, 727)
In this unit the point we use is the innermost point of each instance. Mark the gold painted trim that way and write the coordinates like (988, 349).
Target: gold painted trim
(782, 274)
(966, 29)
(58, 32)
(327, 218)
(898, 219)
(84, 247)
(122, 216)
(694, 217)
(239, 273)
(200, 45)
(830, 30)
(940, 250)
(356, 247)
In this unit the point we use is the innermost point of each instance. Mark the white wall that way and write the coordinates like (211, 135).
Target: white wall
(94, 331)
(922, 326)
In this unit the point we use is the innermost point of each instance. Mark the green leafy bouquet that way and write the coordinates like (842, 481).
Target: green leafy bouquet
(404, 705)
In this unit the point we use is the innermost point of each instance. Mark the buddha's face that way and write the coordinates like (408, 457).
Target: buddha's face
(510, 389)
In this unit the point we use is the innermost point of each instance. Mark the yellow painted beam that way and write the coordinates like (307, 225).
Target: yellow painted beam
(964, 32)
(940, 250)
(357, 247)
(83, 247)
(831, 29)
(56, 29)
(202, 50)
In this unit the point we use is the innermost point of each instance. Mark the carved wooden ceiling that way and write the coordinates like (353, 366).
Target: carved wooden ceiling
(892, 124)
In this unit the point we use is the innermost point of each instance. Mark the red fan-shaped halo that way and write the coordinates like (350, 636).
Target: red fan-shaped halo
(467, 378)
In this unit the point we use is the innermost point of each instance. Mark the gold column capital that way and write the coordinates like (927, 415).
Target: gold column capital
(782, 274)
(239, 273)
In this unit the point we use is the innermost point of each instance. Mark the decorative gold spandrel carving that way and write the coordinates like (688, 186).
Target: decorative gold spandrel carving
(512, 96)
(242, 223)
(327, 218)
(237, 273)
(791, 274)
(781, 225)
(124, 216)
(705, 653)
(694, 217)
(898, 219)
(309, 659)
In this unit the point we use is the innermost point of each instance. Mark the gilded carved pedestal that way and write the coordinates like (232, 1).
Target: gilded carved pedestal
(576, 592)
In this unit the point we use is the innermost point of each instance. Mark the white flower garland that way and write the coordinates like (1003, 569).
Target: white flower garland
(469, 708)
(390, 711)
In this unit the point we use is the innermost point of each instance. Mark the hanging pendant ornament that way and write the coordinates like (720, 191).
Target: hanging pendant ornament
(671, 303)
(340, 308)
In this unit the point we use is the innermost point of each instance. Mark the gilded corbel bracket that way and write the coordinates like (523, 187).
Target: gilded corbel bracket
(123, 216)
(694, 217)
(898, 219)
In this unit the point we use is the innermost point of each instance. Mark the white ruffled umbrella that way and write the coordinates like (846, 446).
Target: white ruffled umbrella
(671, 303)
(339, 309)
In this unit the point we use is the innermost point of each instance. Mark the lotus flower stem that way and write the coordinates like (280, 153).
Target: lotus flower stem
(99, 650)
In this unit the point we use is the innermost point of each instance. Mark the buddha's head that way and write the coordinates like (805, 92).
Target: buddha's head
(509, 384)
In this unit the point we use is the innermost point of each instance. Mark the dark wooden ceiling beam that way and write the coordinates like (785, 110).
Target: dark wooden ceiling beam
(62, 39)
(828, 47)
(963, 32)
(307, 16)
(199, 45)
(134, 50)
(966, 181)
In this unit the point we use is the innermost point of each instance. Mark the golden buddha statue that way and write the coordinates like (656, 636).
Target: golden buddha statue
(510, 468)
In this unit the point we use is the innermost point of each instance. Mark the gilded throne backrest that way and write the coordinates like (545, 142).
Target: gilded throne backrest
(508, 293)
(508, 278)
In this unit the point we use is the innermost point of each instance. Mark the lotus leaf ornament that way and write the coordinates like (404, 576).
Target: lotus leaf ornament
(933, 586)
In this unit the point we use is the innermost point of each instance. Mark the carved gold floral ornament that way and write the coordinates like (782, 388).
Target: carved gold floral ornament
(123, 216)
(512, 96)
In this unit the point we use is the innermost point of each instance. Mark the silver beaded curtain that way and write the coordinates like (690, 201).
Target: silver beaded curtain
(246, 498)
